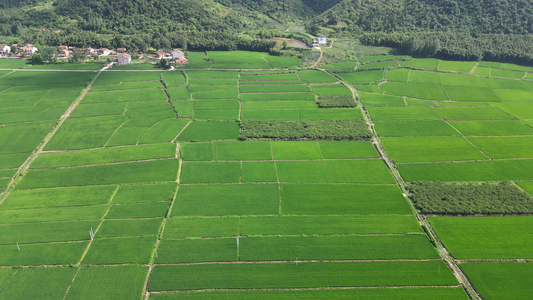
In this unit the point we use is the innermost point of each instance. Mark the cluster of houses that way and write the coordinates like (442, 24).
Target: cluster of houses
(28, 49)
(122, 57)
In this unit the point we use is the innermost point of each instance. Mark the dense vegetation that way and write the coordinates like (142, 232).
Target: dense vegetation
(308, 129)
(325, 101)
(466, 16)
(470, 198)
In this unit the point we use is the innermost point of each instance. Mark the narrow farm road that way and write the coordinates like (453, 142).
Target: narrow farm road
(446, 256)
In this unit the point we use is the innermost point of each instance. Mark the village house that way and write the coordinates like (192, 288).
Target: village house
(29, 49)
(64, 53)
(121, 50)
(160, 54)
(182, 60)
(177, 54)
(63, 46)
(104, 51)
(322, 40)
(4, 49)
(123, 59)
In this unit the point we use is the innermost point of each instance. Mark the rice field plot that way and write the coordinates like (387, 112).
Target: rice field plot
(110, 77)
(500, 280)
(211, 74)
(505, 147)
(210, 172)
(507, 95)
(216, 114)
(448, 79)
(289, 88)
(227, 200)
(347, 149)
(472, 113)
(236, 57)
(469, 171)
(197, 61)
(197, 250)
(362, 77)
(331, 114)
(12, 161)
(251, 150)
(258, 172)
(117, 282)
(283, 150)
(430, 149)
(127, 86)
(274, 82)
(398, 75)
(159, 170)
(210, 130)
(144, 193)
(179, 93)
(214, 92)
(421, 63)
(280, 62)
(315, 76)
(416, 76)
(518, 110)
(243, 66)
(278, 96)
(38, 283)
(42, 254)
(464, 93)
(13, 63)
(197, 151)
(27, 233)
(402, 113)
(334, 171)
(456, 66)
(286, 104)
(346, 65)
(257, 78)
(332, 293)
(127, 228)
(381, 100)
(23, 138)
(415, 90)
(505, 66)
(378, 65)
(106, 155)
(128, 250)
(212, 81)
(173, 78)
(48, 78)
(125, 96)
(331, 89)
(492, 128)
(414, 128)
(285, 275)
(507, 74)
(77, 67)
(335, 248)
(486, 237)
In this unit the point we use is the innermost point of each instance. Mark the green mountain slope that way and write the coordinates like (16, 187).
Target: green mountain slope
(464, 16)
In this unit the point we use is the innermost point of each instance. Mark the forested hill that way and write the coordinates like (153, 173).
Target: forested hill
(127, 16)
(461, 16)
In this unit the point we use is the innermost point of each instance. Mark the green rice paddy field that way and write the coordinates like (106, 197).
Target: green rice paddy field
(135, 185)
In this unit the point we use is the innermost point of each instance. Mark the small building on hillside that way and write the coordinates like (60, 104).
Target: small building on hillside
(160, 54)
(4, 49)
(322, 40)
(123, 59)
(104, 51)
(177, 54)
(63, 46)
(121, 50)
(29, 49)
(64, 53)
(182, 60)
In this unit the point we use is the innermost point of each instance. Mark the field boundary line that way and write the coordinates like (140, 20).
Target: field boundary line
(71, 282)
(266, 262)
(38, 150)
(445, 255)
(154, 256)
(309, 288)
(179, 133)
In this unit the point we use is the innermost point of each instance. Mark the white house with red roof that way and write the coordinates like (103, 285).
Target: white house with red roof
(4, 49)
(123, 59)
(30, 49)
(177, 54)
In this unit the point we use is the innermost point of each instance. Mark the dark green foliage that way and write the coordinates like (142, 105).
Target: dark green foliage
(336, 101)
(469, 16)
(470, 198)
(453, 46)
(309, 129)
